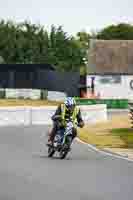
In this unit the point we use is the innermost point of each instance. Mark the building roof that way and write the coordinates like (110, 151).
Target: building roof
(110, 57)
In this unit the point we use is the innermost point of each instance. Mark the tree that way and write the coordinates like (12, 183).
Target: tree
(31, 43)
(65, 51)
(1, 60)
(84, 38)
(122, 31)
(84, 41)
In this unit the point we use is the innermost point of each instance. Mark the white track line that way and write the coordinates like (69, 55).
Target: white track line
(103, 152)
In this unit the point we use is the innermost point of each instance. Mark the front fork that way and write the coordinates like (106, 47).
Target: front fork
(68, 143)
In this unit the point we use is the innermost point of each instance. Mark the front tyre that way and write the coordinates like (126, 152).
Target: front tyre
(63, 154)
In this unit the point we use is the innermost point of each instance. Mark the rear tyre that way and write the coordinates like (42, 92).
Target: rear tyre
(51, 151)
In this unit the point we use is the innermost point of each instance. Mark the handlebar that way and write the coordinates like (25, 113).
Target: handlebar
(56, 117)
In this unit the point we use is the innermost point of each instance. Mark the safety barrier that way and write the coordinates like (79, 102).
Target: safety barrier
(42, 115)
(130, 106)
(111, 103)
(15, 116)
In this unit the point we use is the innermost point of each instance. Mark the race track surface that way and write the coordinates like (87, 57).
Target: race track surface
(26, 173)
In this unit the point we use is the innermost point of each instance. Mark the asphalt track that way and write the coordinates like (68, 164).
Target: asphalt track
(27, 174)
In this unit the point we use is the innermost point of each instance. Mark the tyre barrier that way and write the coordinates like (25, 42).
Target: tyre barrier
(131, 84)
(130, 107)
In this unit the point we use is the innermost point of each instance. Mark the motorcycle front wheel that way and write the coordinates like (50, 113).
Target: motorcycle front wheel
(63, 154)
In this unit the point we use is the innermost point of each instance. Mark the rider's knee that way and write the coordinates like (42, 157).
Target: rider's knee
(74, 132)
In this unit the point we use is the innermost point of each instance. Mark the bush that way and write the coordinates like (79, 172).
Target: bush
(2, 94)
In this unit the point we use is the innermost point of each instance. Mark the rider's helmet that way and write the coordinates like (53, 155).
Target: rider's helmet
(70, 103)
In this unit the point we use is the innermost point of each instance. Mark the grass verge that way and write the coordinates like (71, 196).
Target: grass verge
(114, 134)
(26, 102)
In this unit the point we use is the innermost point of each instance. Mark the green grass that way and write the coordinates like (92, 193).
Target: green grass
(101, 141)
(125, 134)
(115, 133)
(115, 138)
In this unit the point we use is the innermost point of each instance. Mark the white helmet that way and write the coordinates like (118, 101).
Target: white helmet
(70, 102)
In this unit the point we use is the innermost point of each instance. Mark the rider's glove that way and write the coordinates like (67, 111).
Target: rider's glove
(81, 124)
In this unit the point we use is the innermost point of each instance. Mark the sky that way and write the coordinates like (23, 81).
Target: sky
(74, 16)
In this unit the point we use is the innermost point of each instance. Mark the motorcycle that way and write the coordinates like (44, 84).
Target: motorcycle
(62, 141)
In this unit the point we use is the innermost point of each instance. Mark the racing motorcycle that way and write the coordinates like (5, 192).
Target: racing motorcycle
(62, 141)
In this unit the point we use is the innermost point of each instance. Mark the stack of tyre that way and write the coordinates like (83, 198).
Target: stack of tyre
(130, 106)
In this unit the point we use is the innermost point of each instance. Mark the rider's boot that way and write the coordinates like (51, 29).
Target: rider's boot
(50, 138)
(49, 143)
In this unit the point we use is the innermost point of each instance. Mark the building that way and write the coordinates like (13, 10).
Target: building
(110, 69)
(110, 57)
(110, 87)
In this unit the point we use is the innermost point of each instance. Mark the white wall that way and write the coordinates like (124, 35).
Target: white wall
(42, 115)
(34, 94)
(15, 116)
(56, 96)
(24, 93)
(118, 91)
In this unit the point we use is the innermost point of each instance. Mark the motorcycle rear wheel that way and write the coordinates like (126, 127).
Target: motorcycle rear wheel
(51, 151)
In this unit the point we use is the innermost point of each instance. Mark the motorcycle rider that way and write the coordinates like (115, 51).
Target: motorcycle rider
(66, 110)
